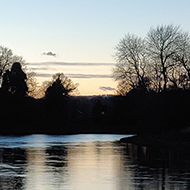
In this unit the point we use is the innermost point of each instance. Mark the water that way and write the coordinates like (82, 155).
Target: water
(89, 162)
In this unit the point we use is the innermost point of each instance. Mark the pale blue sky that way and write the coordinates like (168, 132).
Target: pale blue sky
(82, 30)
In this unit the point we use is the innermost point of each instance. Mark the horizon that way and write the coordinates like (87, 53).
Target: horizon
(86, 75)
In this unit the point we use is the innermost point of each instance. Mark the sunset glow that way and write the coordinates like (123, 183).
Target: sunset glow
(47, 33)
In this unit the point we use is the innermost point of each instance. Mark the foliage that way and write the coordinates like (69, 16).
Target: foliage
(59, 85)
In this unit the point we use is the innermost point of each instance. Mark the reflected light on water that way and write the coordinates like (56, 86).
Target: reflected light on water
(94, 166)
(87, 165)
(76, 162)
(36, 169)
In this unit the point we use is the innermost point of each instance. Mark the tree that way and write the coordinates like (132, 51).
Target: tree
(7, 58)
(182, 59)
(130, 70)
(60, 85)
(162, 44)
(160, 62)
(32, 84)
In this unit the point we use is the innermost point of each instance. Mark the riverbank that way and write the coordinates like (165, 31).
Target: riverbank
(180, 140)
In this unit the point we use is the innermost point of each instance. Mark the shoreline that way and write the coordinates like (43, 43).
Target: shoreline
(180, 140)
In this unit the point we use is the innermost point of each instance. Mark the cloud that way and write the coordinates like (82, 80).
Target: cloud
(72, 70)
(50, 54)
(89, 76)
(83, 76)
(71, 64)
(106, 88)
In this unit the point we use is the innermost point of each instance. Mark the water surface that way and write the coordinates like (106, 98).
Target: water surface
(83, 162)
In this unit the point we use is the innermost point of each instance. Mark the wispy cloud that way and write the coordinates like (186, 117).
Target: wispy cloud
(106, 88)
(73, 70)
(50, 54)
(71, 64)
(89, 75)
(84, 76)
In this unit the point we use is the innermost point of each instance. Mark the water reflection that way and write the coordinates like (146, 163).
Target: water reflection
(160, 168)
(90, 164)
(12, 162)
(94, 165)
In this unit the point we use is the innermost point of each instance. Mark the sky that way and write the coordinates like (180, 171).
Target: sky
(78, 37)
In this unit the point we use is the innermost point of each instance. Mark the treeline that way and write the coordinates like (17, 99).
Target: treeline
(135, 113)
(159, 62)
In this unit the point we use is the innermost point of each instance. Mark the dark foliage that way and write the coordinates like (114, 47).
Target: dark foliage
(138, 112)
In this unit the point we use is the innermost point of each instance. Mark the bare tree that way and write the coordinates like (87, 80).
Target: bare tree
(32, 84)
(130, 70)
(162, 44)
(7, 58)
(182, 58)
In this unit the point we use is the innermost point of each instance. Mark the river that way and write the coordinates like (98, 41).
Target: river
(89, 162)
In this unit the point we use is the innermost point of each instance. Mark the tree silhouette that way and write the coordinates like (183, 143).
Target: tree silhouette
(60, 85)
(32, 85)
(162, 44)
(131, 64)
(14, 81)
(7, 58)
(159, 62)
(182, 58)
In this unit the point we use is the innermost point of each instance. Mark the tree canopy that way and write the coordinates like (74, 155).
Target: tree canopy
(60, 85)
(159, 62)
